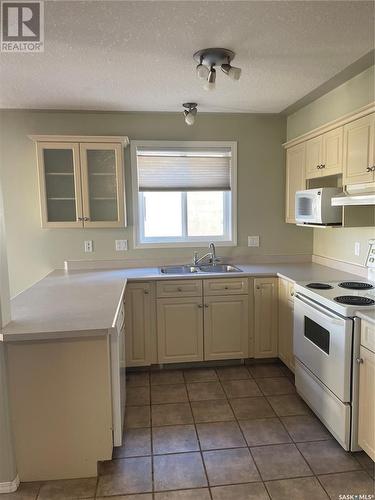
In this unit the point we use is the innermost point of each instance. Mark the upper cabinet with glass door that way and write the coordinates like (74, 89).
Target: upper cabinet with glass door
(81, 181)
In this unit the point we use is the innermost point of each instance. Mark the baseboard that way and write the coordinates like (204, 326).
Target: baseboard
(10, 486)
(340, 265)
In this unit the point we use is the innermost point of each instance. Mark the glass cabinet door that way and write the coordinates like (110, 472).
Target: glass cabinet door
(102, 185)
(60, 184)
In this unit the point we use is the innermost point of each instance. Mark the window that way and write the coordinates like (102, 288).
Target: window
(184, 193)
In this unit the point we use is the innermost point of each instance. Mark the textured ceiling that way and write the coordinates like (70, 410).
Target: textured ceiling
(137, 55)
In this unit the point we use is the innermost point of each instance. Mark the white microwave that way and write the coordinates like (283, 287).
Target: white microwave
(313, 206)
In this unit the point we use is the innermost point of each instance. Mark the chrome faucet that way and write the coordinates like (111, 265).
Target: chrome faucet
(212, 256)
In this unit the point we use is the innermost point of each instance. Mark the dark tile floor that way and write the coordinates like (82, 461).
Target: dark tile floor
(231, 433)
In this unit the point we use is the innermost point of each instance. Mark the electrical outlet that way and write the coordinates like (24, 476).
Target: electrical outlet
(357, 248)
(121, 245)
(89, 246)
(253, 241)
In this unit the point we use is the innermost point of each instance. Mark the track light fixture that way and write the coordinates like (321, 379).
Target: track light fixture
(190, 112)
(209, 58)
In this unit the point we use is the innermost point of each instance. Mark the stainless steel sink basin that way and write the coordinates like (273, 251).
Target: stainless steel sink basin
(220, 268)
(179, 270)
(217, 268)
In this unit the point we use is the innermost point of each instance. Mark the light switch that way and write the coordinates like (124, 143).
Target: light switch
(253, 241)
(89, 246)
(121, 245)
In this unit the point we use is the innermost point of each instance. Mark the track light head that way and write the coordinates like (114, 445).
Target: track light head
(233, 72)
(210, 83)
(202, 71)
(190, 112)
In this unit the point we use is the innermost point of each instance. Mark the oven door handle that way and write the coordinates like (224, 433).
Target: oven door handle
(336, 319)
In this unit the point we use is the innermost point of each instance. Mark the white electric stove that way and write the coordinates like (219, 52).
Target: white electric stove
(326, 347)
(343, 297)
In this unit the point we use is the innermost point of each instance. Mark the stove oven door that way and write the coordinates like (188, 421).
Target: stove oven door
(323, 343)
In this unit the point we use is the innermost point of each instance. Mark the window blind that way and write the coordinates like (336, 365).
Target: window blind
(187, 169)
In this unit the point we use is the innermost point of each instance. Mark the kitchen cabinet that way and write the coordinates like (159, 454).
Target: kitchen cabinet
(314, 149)
(265, 317)
(202, 319)
(226, 327)
(359, 151)
(140, 317)
(324, 154)
(294, 179)
(286, 311)
(180, 329)
(366, 412)
(81, 181)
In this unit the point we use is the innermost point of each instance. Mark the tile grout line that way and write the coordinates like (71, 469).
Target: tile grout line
(197, 436)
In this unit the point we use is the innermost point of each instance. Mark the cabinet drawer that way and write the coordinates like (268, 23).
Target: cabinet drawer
(368, 335)
(174, 288)
(225, 286)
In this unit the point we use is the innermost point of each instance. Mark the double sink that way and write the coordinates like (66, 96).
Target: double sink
(190, 269)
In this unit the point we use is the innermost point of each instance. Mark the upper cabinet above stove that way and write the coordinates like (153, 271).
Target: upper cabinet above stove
(338, 154)
(359, 151)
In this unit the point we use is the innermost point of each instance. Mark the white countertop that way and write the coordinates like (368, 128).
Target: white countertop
(368, 316)
(69, 304)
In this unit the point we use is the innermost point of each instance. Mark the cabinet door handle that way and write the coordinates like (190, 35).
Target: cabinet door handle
(86, 218)
(359, 361)
(226, 287)
(206, 306)
(146, 292)
(200, 306)
(257, 287)
(179, 289)
(370, 169)
(318, 167)
(79, 218)
(323, 165)
(292, 294)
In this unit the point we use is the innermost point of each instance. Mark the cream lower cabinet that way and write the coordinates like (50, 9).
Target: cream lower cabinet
(266, 317)
(180, 329)
(286, 311)
(226, 327)
(140, 343)
(366, 414)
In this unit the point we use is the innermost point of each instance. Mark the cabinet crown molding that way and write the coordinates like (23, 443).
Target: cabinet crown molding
(81, 138)
(338, 122)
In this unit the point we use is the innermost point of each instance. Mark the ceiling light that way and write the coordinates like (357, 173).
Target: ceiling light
(190, 112)
(209, 58)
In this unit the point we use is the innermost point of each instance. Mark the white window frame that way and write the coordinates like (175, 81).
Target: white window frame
(230, 213)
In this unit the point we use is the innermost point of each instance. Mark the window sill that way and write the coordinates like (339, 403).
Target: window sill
(185, 244)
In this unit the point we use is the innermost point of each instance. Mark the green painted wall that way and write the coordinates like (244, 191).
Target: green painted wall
(32, 251)
(353, 94)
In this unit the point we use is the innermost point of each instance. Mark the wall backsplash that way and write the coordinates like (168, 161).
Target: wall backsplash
(33, 252)
(337, 243)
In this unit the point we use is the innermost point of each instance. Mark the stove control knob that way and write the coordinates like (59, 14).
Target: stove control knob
(359, 360)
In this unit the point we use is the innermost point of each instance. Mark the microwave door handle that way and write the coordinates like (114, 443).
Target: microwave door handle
(337, 320)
